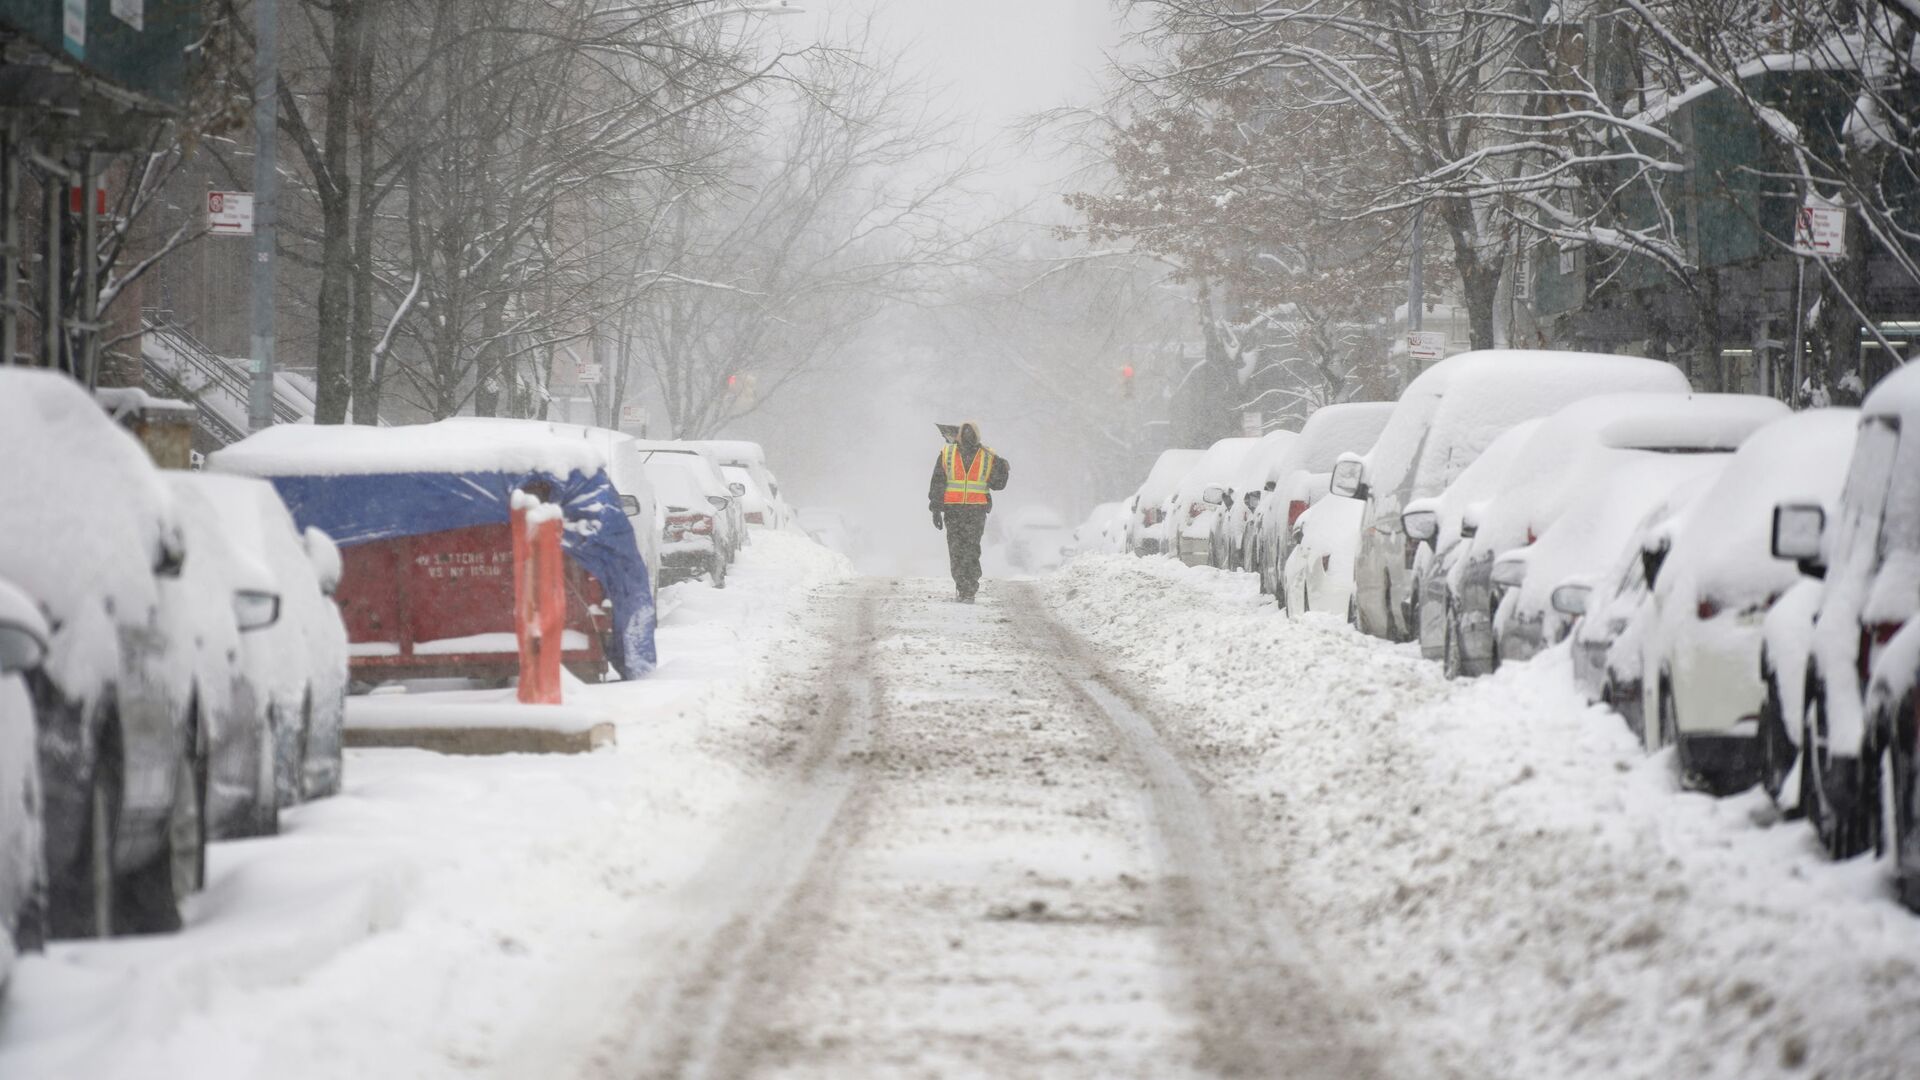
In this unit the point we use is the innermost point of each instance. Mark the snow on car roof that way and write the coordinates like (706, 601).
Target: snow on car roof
(91, 500)
(1218, 465)
(1165, 475)
(1692, 422)
(679, 483)
(234, 503)
(1257, 464)
(1492, 390)
(462, 445)
(731, 451)
(1723, 541)
(1333, 430)
(1482, 480)
(1896, 395)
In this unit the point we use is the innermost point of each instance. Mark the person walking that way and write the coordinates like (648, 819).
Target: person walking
(964, 475)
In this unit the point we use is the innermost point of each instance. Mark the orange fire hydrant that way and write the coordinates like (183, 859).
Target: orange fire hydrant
(539, 597)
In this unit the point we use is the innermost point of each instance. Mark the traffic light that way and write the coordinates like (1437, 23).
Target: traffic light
(1126, 380)
(733, 382)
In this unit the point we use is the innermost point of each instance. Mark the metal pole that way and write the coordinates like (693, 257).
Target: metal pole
(266, 118)
(50, 328)
(1416, 288)
(1799, 321)
(9, 246)
(87, 318)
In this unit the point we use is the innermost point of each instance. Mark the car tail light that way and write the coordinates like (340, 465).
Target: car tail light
(1193, 510)
(1707, 609)
(1531, 535)
(679, 525)
(1294, 510)
(756, 519)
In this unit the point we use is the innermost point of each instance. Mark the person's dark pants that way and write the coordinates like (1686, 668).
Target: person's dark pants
(965, 526)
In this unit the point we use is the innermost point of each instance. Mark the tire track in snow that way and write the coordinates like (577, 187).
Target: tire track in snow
(757, 873)
(1265, 1011)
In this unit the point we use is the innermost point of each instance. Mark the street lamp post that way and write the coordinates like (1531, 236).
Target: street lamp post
(266, 119)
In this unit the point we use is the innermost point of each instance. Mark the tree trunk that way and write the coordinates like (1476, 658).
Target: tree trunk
(334, 188)
(366, 393)
(1479, 276)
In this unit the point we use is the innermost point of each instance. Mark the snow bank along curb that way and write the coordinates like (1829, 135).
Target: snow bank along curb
(1518, 889)
(415, 924)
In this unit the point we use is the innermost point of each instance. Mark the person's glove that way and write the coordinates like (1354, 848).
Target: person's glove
(939, 520)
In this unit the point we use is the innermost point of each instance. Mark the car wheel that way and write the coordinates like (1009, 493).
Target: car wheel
(1844, 790)
(1670, 736)
(717, 571)
(149, 900)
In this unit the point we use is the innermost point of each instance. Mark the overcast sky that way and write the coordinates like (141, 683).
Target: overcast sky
(992, 61)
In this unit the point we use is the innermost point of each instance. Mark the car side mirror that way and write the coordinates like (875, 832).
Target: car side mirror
(1797, 531)
(21, 648)
(737, 488)
(720, 502)
(1571, 598)
(255, 610)
(1214, 495)
(630, 505)
(1421, 524)
(1470, 522)
(1349, 478)
(324, 554)
(1252, 500)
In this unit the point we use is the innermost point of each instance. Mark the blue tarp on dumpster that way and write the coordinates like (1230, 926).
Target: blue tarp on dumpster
(348, 499)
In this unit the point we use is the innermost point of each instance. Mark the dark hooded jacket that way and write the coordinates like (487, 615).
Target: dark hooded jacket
(937, 487)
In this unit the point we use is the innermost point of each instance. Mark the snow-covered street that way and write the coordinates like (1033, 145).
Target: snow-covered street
(1126, 820)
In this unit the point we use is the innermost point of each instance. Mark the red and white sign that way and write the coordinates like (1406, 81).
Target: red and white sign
(589, 373)
(1427, 344)
(1821, 229)
(633, 414)
(230, 213)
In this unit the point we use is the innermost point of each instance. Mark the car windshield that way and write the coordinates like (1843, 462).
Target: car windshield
(1863, 504)
(1900, 531)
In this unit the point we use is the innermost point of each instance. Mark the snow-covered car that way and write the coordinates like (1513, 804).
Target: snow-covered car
(730, 524)
(1601, 463)
(1318, 575)
(23, 875)
(1858, 720)
(761, 503)
(1148, 527)
(828, 528)
(1104, 531)
(1443, 420)
(1037, 539)
(1444, 527)
(693, 541)
(91, 535)
(296, 666)
(1201, 501)
(1611, 613)
(1717, 578)
(237, 594)
(1660, 442)
(1248, 488)
(1299, 479)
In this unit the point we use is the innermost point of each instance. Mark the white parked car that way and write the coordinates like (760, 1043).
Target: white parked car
(91, 536)
(1104, 531)
(1660, 443)
(1299, 479)
(1442, 422)
(1857, 725)
(1149, 531)
(23, 870)
(1601, 464)
(1037, 540)
(1200, 503)
(1716, 579)
(296, 665)
(730, 525)
(761, 502)
(1318, 575)
(1248, 488)
(694, 541)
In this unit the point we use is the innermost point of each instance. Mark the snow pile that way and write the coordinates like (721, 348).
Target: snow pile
(441, 910)
(1495, 867)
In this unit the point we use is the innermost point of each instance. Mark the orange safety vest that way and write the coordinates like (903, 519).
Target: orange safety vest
(967, 486)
